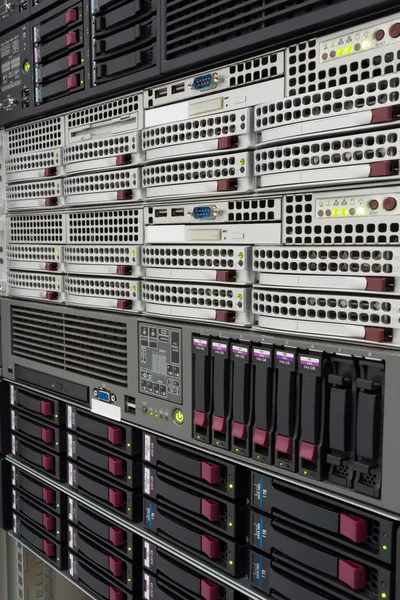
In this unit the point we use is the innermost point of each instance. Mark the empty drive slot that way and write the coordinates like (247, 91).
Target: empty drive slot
(161, 212)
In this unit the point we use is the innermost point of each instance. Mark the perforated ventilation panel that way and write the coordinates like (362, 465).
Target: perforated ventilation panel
(254, 210)
(193, 257)
(100, 182)
(359, 260)
(43, 228)
(333, 102)
(33, 253)
(303, 75)
(300, 228)
(34, 281)
(30, 162)
(195, 31)
(124, 226)
(208, 169)
(103, 112)
(196, 130)
(36, 137)
(93, 347)
(195, 295)
(331, 308)
(102, 287)
(101, 255)
(34, 189)
(331, 152)
(100, 148)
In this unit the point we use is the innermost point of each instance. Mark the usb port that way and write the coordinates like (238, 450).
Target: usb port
(161, 93)
(130, 405)
(178, 212)
(178, 88)
(23, 6)
(161, 212)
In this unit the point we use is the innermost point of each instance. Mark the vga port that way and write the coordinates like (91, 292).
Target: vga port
(206, 82)
(204, 212)
(103, 395)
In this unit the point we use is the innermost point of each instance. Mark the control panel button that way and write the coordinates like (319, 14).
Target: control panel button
(179, 417)
(394, 30)
(374, 204)
(389, 203)
(379, 35)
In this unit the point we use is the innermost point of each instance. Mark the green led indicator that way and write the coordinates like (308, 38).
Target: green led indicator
(384, 547)
(258, 456)
(217, 443)
(129, 580)
(231, 562)
(198, 437)
(129, 509)
(128, 445)
(305, 472)
(281, 464)
(58, 506)
(383, 595)
(129, 549)
(57, 444)
(58, 533)
(27, 66)
(230, 486)
(236, 449)
(230, 524)
(129, 476)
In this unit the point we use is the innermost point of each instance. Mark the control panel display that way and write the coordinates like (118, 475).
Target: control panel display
(378, 205)
(160, 362)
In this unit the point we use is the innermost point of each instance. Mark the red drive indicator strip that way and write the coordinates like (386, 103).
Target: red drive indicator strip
(240, 364)
(262, 382)
(220, 393)
(285, 395)
(310, 369)
(201, 388)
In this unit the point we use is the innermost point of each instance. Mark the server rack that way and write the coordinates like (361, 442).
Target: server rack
(200, 303)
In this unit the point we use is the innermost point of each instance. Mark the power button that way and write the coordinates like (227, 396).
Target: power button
(179, 417)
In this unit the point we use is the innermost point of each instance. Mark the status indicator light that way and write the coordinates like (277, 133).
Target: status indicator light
(58, 533)
(384, 547)
(360, 210)
(231, 563)
(236, 449)
(58, 506)
(365, 45)
(383, 595)
(230, 524)
(349, 49)
(357, 47)
(128, 445)
(230, 486)
(344, 212)
(340, 52)
(129, 476)
(336, 212)
(129, 549)
(305, 472)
